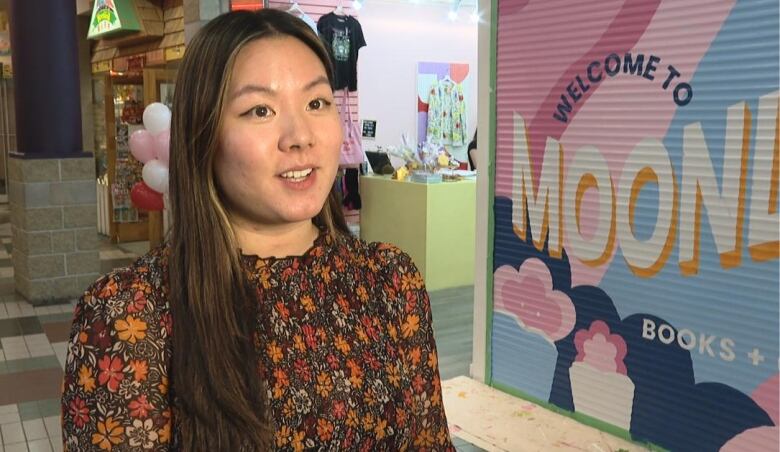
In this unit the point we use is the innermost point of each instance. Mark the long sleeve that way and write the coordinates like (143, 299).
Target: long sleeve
(434, 131)
(459, 125)
(116, 377)
(417, 349)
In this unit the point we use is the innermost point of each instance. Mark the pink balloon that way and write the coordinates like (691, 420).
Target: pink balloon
(162, 147)
(142, 145)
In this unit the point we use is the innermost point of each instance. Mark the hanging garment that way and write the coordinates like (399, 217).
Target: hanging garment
(446, 113)
(352, 199)
(343, 36)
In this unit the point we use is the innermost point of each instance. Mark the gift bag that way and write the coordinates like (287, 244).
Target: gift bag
(351, 155)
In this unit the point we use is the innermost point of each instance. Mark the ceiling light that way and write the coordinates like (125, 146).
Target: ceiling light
(356, 5)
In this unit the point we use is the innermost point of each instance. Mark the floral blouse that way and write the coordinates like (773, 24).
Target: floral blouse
(446, 114)
(346, 350)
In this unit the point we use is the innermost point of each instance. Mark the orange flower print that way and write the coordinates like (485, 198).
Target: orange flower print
(284, 313)
(368, 421)
(164, 434)
(109, 434)
(110, 372)
(355, 372)
(131, 329)
(393, 332)
(410, 326)
(393, 374)
(281, 377)
(324, 429)
(352, 418)
(298, 343)
(140, 369)
(433, 360)
(283, 435)
(414, 356)
(343, 303)
(324, 384)
(342, 345)
(163, 386)
(86, 380)
(308, 304)
(424, 439)
(78, 411)
(362, 293)
(407, 281)
(109, 290)
(325, 274)
(379, 429)
(274, 352)
(361, 334)
(297, 441)
(140, 407)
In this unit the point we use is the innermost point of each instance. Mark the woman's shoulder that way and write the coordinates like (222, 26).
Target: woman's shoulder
(130, 287)
(382, 252)
(380, 257)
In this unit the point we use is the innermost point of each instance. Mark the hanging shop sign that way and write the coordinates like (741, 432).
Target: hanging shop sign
(111, 18)
(101, 66)
(635, 271)
(174, 53)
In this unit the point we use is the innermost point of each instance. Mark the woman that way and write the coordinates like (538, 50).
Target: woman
(472, 152)
(261, 324)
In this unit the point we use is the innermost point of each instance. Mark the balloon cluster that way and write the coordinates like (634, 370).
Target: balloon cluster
(151, 146)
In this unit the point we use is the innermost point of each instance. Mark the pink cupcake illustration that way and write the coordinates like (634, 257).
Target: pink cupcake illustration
(599, 384)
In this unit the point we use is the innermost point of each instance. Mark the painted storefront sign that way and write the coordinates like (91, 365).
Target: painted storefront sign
(110, 17)
(637, 235)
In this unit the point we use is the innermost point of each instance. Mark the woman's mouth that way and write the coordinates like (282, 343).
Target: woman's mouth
(297, 176)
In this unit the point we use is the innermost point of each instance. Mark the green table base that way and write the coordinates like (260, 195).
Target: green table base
(434, 223)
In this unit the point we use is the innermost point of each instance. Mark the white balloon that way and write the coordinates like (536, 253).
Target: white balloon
(157, 118)
(155, 174)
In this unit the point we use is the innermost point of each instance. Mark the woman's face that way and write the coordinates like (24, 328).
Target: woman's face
(280, 136)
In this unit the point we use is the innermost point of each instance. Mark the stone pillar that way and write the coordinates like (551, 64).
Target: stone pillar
(198, 12)
(52, 191)
(54, 224)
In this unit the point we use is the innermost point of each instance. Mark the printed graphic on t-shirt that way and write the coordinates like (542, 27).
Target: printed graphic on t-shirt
(341, 45)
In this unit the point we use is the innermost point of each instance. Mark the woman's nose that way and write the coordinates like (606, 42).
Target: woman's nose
(296, 133)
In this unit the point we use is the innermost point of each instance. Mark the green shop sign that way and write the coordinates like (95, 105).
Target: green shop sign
(112, 18)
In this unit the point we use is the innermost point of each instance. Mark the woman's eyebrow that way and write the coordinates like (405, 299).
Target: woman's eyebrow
(252, 88)
(318, 81)
(247, 89)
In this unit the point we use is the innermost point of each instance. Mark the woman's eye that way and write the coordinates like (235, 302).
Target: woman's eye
(261, 112)
(318, 104)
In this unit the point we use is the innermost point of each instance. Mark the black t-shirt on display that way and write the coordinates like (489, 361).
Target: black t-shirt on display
(343, 36)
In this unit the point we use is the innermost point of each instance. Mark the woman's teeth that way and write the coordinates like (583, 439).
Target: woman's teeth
(297, 176)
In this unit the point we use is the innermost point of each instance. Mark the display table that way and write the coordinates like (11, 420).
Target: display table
(434, 223)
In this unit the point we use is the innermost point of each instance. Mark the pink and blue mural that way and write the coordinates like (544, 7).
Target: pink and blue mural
(637, 235)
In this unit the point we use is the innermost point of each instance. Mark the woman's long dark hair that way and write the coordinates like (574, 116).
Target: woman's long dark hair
(221, 404)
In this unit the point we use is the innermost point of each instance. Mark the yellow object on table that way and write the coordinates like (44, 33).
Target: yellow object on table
(434, 223)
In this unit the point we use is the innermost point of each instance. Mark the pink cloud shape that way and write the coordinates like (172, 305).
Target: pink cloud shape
(767, 396)
(600, 349)
(753, 440)
(527, 294)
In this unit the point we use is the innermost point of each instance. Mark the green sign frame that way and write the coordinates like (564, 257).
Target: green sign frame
(111, 18)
